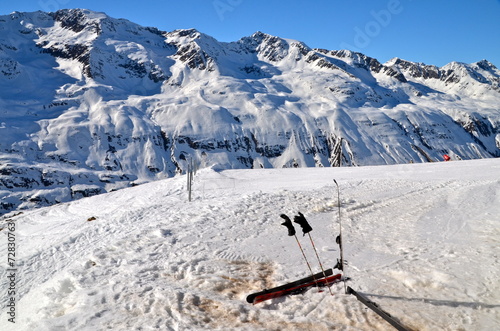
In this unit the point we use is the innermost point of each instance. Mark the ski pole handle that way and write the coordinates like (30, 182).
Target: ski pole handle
(301, 220)
(288, 224)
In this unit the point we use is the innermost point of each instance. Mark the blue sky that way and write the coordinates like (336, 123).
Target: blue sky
(429, 31)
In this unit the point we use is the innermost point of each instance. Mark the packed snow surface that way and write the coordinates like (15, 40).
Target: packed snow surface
(421, 240)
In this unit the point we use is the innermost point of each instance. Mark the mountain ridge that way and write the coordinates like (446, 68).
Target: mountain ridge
(92, 104)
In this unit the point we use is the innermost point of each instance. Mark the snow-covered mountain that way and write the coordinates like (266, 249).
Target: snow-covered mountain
(90, 104)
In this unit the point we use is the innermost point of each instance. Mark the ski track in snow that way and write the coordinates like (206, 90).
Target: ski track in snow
(420, 240)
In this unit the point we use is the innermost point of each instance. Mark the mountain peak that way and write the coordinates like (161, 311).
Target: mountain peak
(190, 33)
(486, 65)
(261, 35)
(79, 19)
(69, 14)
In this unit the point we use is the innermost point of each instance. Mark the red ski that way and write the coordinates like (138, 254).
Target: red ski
(297, 287)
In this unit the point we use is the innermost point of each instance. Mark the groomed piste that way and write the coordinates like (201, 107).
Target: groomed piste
(421, 240)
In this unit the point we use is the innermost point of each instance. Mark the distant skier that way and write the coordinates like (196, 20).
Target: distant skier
(446, 157)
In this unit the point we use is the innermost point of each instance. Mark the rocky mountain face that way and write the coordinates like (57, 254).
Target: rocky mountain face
(90, 104)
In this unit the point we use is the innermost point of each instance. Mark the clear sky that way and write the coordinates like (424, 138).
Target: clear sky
(429, 31)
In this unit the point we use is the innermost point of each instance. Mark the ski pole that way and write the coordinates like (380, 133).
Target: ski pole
(306, 228)
(340, 263)
(291, 232)
(321, 265)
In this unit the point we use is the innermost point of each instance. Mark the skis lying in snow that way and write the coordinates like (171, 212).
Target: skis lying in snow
(320, 279)
(375, 307)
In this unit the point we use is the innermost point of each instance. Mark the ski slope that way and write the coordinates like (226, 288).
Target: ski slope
(421, 240)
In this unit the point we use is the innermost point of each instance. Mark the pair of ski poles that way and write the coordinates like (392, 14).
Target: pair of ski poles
(306, 229)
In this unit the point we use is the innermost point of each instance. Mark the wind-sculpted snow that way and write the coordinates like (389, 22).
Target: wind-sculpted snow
(106, 103)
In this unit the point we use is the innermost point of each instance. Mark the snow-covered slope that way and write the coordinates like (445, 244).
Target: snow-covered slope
(421, 241)
(90, 104)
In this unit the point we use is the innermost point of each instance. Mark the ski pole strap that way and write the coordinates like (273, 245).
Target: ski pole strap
(288, 224)
(301, 220)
